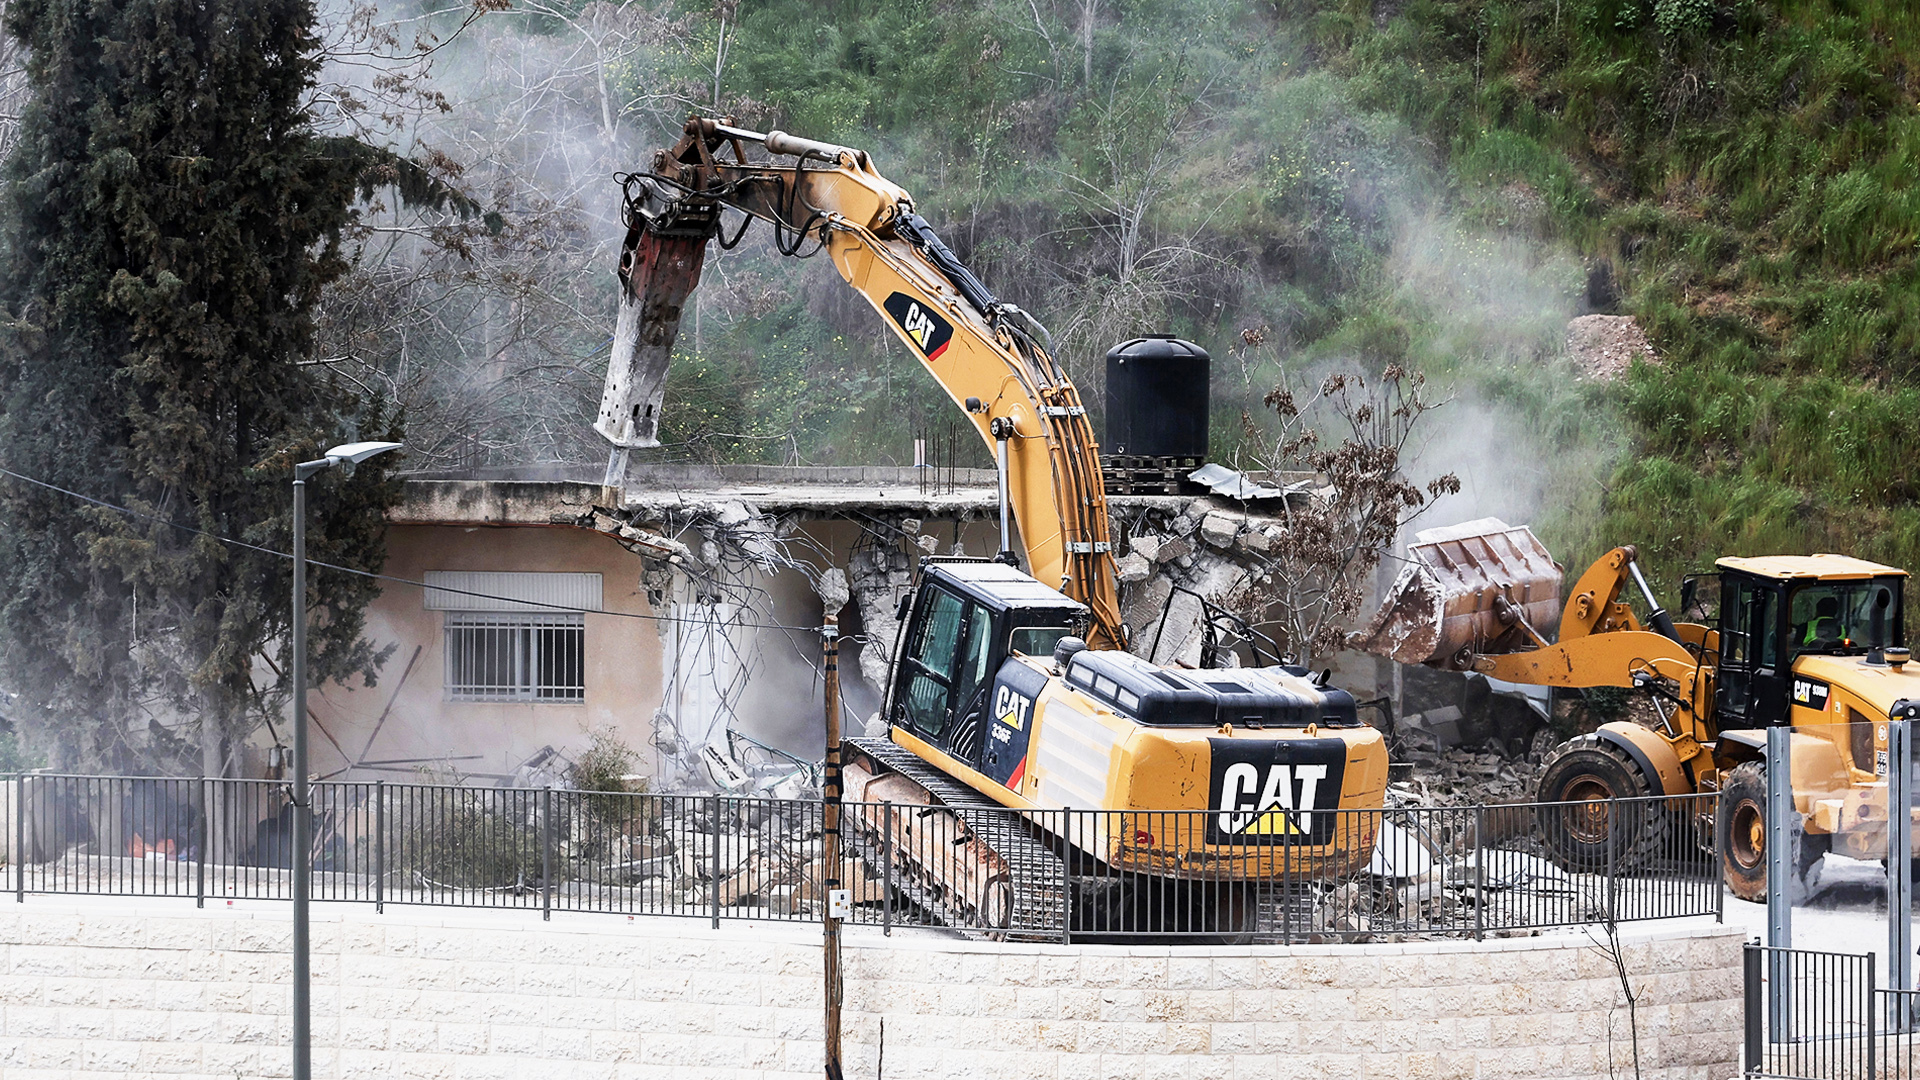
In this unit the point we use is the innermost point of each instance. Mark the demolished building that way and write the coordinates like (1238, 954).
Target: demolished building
(699, 587)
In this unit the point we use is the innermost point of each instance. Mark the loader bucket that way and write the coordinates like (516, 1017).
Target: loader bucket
(657, 274)
(1470, 589)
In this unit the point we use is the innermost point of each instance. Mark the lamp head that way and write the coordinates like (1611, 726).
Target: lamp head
(355, 453)
(347, 455)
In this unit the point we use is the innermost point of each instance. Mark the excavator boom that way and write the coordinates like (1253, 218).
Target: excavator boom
(993, 359)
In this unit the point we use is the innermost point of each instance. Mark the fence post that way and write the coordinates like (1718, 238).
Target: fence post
(20, 838)
(1780, 847)
(379, 847)
(713, 885)
(546, 852)
(1066, 886)
(1286, 887)
(1613, 844)
(200, 864)
(1873, 1033)
(1899, 868)
(1713, 871)
(1750, 1010)
(1479, 872)
(886, 868)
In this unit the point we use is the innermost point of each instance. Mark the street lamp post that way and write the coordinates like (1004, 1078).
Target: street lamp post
(349, 454)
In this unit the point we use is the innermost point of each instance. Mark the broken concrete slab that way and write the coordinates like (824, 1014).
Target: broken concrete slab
(1399, 853)
(1233, 484)
(1439, 727)
(1172, 549)
(1219, 528)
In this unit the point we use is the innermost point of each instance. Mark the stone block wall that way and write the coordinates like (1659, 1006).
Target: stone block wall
(102, 987)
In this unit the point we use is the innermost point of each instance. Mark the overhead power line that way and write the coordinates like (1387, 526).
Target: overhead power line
(132, 513)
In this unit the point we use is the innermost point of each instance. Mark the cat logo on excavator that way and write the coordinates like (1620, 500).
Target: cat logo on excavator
(1011, 707)
(924, 327)
(1269, 793)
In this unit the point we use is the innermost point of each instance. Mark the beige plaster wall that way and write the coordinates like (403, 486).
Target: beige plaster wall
(622, 663)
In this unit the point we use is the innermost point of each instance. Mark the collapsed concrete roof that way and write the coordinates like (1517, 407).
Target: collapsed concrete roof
(563, 495)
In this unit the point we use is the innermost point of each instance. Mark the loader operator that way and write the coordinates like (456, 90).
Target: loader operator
(1824, 629)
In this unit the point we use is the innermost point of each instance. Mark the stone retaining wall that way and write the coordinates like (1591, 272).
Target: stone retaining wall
(106, 987)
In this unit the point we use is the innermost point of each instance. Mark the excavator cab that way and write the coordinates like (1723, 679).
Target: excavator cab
(967, 618)
(1776, 609)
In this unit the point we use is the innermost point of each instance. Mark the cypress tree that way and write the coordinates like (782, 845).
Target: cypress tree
(171, 219)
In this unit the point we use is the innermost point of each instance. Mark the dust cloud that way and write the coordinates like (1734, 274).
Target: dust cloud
(1495, 306)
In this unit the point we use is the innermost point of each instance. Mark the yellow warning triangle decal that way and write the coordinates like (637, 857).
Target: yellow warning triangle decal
(1272, 823)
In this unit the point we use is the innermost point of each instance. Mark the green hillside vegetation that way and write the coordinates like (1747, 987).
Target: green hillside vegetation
(1304, 184)
(1747, 170)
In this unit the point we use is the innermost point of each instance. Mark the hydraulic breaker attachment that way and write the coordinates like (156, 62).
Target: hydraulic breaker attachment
(657, 273)
(1476, 589)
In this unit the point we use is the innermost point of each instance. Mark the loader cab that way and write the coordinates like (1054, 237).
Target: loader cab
(966, 619)
(1777, 608)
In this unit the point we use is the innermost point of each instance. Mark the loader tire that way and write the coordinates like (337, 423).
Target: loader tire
(1740, 834)
(1583, 775)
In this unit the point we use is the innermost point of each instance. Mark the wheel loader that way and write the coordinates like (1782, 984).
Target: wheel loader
(1811, 641)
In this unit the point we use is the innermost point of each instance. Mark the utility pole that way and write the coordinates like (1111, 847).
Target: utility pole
(838, 901)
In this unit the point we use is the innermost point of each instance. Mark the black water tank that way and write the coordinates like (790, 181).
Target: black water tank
(1157, 398)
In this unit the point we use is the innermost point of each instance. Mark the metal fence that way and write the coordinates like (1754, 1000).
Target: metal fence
(1814, 1015)
(1898, 1014)
(1809, 1014)
(989, 871)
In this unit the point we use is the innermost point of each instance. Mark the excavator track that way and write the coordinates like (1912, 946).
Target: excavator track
(1039, 885)
(1283, 912)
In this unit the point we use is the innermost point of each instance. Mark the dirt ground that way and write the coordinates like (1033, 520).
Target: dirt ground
(1604, 346)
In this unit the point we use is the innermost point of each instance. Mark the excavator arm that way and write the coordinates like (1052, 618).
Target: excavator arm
(992, 359)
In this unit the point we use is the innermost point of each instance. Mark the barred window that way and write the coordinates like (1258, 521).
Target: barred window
(516, 656)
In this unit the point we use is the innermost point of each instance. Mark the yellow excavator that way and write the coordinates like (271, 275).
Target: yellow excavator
(1013, 687)
(1813, 641)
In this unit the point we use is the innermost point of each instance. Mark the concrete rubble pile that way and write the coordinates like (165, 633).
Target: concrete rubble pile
(1464, 848)
(1510, 888)
(1213, 547)
(1458, 776)
(1435, 865)
(758, 854)
(1465, 741)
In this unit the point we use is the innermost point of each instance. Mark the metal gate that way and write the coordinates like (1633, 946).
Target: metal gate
(1811, 1015)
